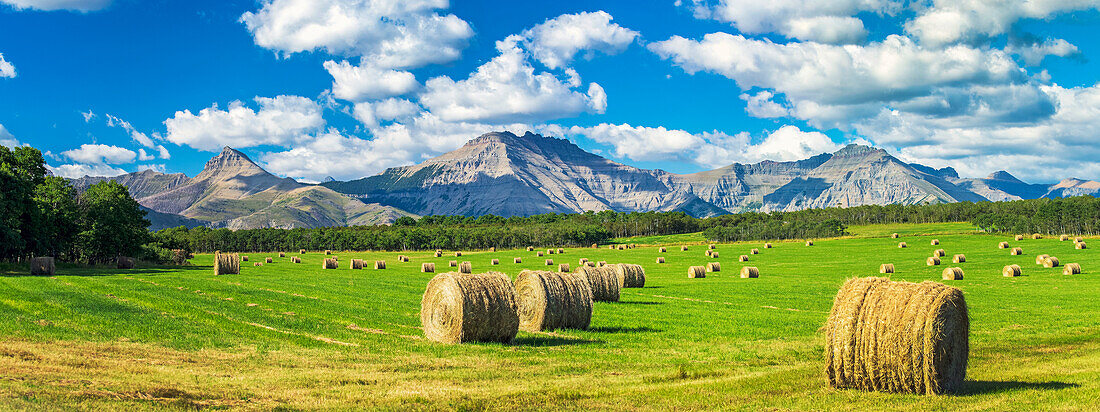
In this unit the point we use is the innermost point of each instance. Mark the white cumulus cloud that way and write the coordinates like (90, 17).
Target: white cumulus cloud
(278, 121)
(1033, 54)
(360, 83)
(101, 154)
(557, 41)
(823, 21)
(948, 21)
(78, 170)
(6, 68)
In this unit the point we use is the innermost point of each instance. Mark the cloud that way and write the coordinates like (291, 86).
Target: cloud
(360, 83)
(139, 137)
(7, 139)
(101, 154)
(761, 105)
(6, 68)
(386, 33)
(50, 5)
(88, 116)
(823, 21)
(948, 21)
(279, 121)
(393, 109)
(1033, 54)
(78, 170)
(145, 157)
(159, 168)
(506, 89)
(710, 149)
(556, 41)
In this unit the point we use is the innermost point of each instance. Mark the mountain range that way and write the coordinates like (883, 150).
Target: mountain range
(507, 175)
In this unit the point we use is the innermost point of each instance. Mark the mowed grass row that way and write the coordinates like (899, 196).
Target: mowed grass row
(297, 336)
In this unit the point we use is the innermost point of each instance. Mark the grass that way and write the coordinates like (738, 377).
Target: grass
(295, 337)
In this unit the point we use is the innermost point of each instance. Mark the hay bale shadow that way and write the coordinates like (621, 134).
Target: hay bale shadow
(620, 329)
(640, 303)
(972, 387)
(548, 340)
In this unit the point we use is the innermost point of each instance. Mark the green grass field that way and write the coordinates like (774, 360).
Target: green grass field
(292, 336)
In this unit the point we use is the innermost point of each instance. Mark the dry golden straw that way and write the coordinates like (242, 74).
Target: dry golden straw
(1002, 245)
(886, 268)
(458, 254)
(809, 243)
(952, 274)
(244, 258)
(662, 250)
(549, 262)
(1016, 251)
(1012, 271)
(697, 272)
(564, 268)
(560, 251)
(268, 260)
(357, 264)
(301, 251)
(282, 254)
(714, 254)
(582, 261)
(958, 259)
(714, 267)
(494, 262)
(767, 246)
(257, 264)
(548, 301)
(530, 249)
(1019, 237)
(427, 267)
(683, 248)
(660, 260)
(379, 265)
(897, 337)
(328, 252)
(1071, 269)
(329, 263)
(1050, 262)
(754, 252)
(749, 272)
(939, 253)
(466, 267)
(549, 251)
(1036, 236)
(935, 242)
(1039, 259)
(463, 307)
(453, 263)
(538, 254)
(711, 247)
(227, 264)
(630, 276)
(933, 261)
(1063, 238)
(517, 260)
(45, 266)
(743, 258)
(894, 236)
(1080, 245)
(902, 245)
(295, 259)
(603, 281)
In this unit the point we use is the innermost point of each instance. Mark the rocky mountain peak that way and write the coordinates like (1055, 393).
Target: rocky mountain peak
(857, 150)
(230, 163)
(1003, 176)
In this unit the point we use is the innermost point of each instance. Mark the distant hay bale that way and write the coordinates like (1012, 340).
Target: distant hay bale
(244, 258)
(1011, 271)
(227, 264)
(595, 245)
(328, 252)
(379, 265)
(301, 251)
(547, 301)
(549, 251)
(933, 261)
(1040, 259)
(295, 259)
(897, 337)
(662, 250)
(124, 262)
(517, 260)
(750, 272)
(958, 259)
(44, 266)
(1071, 269)
(952, 274)
(269, 260)
(902, 245)
(630, 276)
(564, 268)
(1019, 237)
(622, 247)
(453, 263)
(601, 263)
(427, 267)
(1080, 245)
(582, 261)
(1002, 245)
(754, 251)
(438, 254)
(886, 268)
(894, 236)
(493, 249)
(1016, 251)
(714, 254)
(743, 258)
(1078, 239)
(1036, 236)
(329, 263)
(336, 258)
(464, 307)
(458, 254)
(714, 267)
(935, 242)
(610, 247)
(1063, 238)
(767, 246)
(603, 281)
(1050, 262)
(708, 252)
(257, 264)
(494, 262)
(711, 247)
(697, 272)
(683, 248)
(179, 257)
(282, 254)
(404, 259)
(589, 264)
(549, 262)
(809, 243)
(939, 253)
(465, 267)
(660, 260)
(357, 264)
(560, 250)
(538, 254)
(530, 249)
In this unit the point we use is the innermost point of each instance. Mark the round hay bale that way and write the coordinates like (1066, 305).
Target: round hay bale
(1016, 251)
(610, 247)
(530, 249)
(1036, 236)
(933, 261)
(465, 267)
(749, 272)
(548, 301)
(244, 258)
(939, 253)
(453, 263)
(124, 262)
(958, 259)
(295, 259)
(708, 252)
(897, 337)
(1050, 262)
(754, 251)
(894, 236)
(427, 267)
(328, 252)
(282, 254)
(1002, 245)
(549, 262)
(494, 262)
(458, 254)
(601, 263)
(714, 255)
(952, 274)
(1063, 238)
(743, 258)
(809, 243)
(357, 264)
(329, 263)
(589, 264)
(269, 260)
(603, 281)
(935, 242)
(582, 261)
(1040, 259)
(538, 254)
(517, 260)
(257, 264)
(1012, 271)
(902, 245)
(630, 276)
(438, 254)
(1071, 269)
(44, 266)
(714, 267)
(1078, 239)
(662, 249)
(560, 250)
(301, 251)
(683, 248)
(886, 268)
(1080, 245)
(595, 245)
(660, 260)
(767, 246)
(493, 249)
(380, 265)
(1019, 237)
(464, 307)
(697, 272)
(549, 251)
(564, 268)
(711, 247)
(336, 258)
(227, 264)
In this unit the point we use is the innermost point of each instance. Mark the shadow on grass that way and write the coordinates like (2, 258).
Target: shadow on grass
(546, 340)
(991, 387)
(639, 303)
(617, 329)
(74, 270)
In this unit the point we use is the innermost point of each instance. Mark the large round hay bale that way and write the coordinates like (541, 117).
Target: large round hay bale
(897, 337)
(1002, 245)
(1071, 269)
(1012, 271)
(458, 254)
(711, 247)
(465, 267)
(564, 268)
(662, 249)
(630, 276)
(44, 266)
(1063, 238)
(590, 264)
(547, 301)
(767, 246)
(749, 272)
(493, 249)
(595, 245)
(714, 267)
(301, 251)
(886, 268)
(357, 264)
(549, 251)
(427, 267)
(494, 262)
(1019, 237)
(1080, 245)
(328, 252)
(582, 261)
(227, 264)
(894, 236)
(714, 254)
(1050, 262)
(754, 251)
(743, 258)
(603, 281)
(464, 307)
(453, 263)
(517, 260)
(602, 263)
(1016, 251)
(697, 272)
(560, 250)
(939, 253)
(660, 259)
(1078, 239)
(1039, 259)
(379, 265)
(952, 274)
(329, 263)
(958, 259)
(549, 262)
(530, 249)
(282, 254)
(124, 262)
(438, 254)
(902, 245)
(935, 242)
(932, 261)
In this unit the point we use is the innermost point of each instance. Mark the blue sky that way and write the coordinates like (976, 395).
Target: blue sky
(346, 88)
